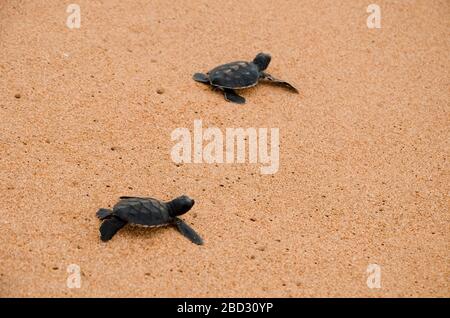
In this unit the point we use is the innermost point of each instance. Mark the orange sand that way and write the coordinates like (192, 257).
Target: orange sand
(364, 148)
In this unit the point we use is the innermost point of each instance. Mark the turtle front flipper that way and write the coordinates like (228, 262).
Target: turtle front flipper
(272, 79)
(188, 232)
(110, 227)
(201, 78)
(231, 96)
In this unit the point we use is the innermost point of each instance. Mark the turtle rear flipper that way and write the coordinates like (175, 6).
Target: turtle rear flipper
(232, 96)
(188, 232)
(202, 78)
(110, 227)
(274, 80)
(103, 214)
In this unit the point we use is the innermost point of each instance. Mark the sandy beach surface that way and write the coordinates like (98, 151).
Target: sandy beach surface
(86, 115)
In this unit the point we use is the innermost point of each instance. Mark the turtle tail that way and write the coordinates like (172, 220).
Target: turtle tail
(110, 227)
(103, 214)
(200, 77)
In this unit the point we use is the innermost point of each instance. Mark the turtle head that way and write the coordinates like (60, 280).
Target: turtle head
(262, 60)
(180, 205)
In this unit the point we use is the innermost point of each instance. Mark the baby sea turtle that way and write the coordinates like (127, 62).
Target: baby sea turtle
(239, 75)
(147, 212)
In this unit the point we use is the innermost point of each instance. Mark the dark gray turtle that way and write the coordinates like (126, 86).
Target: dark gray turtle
(147, 212)
(239, 75)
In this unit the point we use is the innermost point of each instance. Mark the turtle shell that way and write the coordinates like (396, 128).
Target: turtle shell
(234, 75)
(143, 211)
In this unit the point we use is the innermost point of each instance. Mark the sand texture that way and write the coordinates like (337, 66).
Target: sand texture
(86, 115)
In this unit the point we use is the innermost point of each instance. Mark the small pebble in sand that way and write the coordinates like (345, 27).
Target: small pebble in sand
(160, 91)
(17, 96)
